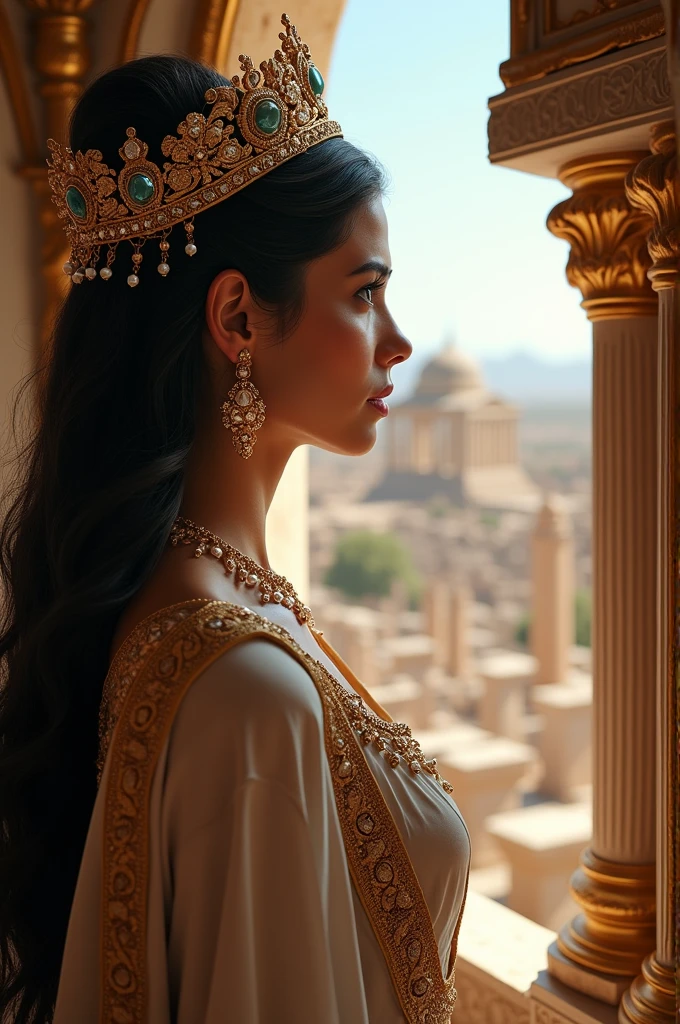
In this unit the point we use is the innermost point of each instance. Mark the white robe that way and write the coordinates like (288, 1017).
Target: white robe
(252, 914)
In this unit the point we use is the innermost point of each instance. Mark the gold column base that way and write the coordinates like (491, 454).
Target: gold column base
(615, 930)
(651, 997)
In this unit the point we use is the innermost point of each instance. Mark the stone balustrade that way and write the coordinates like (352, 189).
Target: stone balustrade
(501, 974)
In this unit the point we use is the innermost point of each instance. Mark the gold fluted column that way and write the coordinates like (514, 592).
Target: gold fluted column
(61, 58)
(601, 950)
(653, 187)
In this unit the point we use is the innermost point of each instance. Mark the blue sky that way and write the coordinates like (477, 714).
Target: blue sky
(469, 245)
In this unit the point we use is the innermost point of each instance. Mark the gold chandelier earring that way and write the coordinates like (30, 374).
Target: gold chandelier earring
(243, 410)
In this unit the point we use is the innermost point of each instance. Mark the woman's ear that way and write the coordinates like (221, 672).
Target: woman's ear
(229, 312)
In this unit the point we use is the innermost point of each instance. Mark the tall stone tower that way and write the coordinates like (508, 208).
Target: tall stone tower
(552, 620)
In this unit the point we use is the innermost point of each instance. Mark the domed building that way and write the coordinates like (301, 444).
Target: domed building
(453, 438)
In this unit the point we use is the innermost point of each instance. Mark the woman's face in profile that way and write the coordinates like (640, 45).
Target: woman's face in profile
(316, 384)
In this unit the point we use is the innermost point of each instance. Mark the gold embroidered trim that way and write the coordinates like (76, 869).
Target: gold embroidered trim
(126, 663)
(393, 739)
(155, 675)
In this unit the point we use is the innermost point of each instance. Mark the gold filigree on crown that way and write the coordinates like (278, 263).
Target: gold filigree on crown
(263, 119)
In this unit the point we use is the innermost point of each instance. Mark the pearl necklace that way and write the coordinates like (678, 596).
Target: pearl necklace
(272, 587)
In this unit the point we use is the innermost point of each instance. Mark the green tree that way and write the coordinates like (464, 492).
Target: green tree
(367, 563)
(522, 630)
(438, 507)
(583, 616)
(489, 518)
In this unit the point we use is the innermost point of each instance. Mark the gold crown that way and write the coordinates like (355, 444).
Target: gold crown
(263, 119)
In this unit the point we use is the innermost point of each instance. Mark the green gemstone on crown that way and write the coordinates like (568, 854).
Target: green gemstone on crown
(316, 81)
(75, 200)
(141, 188)
(267, 116)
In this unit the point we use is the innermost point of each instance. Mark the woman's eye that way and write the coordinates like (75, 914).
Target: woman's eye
(370, 288)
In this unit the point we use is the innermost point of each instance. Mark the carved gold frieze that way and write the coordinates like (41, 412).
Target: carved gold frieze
(608, 260)
(652, 186)
(530, 63)
(612, 96)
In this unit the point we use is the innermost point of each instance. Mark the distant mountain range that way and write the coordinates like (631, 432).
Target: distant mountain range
(522, 377)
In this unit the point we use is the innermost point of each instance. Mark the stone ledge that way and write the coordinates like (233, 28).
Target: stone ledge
(498, 942)
(500, 953)
(502, 977)
(552, 1002)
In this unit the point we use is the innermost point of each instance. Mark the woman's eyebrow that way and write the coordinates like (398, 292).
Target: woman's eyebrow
(376, 265)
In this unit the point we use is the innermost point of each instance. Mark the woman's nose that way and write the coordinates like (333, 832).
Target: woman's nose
(397, 348)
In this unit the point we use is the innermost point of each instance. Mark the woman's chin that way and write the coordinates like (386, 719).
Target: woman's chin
(359, 443)
(363, 442)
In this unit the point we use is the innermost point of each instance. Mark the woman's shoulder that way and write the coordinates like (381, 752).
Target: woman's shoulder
(252, 716)
(264, 671)
(209, 662)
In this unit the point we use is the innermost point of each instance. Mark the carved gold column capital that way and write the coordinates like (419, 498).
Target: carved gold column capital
(609, 259)
(652, 187)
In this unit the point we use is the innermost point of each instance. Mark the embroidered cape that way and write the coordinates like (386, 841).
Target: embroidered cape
(147, 681)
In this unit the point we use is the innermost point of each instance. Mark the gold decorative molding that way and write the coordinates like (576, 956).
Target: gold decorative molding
(608, 261)
(617, 925)
(211, 31)
(553, 22)
(653, 187)
(61, 59)
(616, 35)
(137, 11)
(520, 17)
(17, 90)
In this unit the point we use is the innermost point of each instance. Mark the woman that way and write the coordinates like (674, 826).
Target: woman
(260, 841)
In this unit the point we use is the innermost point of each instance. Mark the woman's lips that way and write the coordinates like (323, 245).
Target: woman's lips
(380, 405)
(379, 400)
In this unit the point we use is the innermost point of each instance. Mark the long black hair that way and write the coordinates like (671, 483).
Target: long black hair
(99, 482)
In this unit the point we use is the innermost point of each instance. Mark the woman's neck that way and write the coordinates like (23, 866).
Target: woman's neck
(229, 495)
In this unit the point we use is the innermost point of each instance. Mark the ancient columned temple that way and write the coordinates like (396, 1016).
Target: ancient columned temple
(453, 438)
